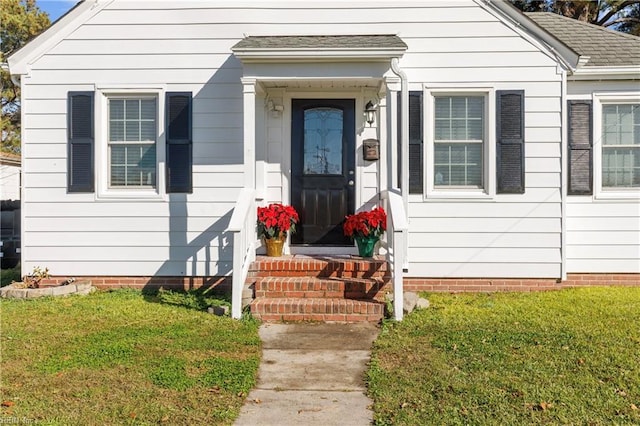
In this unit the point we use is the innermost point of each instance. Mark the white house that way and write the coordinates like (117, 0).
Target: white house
(9, 176)
(508, 157)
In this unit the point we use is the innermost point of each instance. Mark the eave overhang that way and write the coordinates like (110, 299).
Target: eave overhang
(337, 48)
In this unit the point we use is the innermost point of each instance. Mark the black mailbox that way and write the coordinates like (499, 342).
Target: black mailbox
(371, 149)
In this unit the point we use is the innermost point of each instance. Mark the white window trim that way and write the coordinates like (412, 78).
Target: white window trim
(489, 150)
(105, 192)
(600, 99)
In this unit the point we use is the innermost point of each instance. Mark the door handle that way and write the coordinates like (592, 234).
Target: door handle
(351, 183)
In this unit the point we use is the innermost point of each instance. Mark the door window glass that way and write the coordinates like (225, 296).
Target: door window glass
(323, 141)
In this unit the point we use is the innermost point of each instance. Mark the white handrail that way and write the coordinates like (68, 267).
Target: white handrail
(242, 225)
(397, 242)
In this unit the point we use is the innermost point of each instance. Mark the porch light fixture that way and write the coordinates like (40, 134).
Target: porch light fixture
(370, 112)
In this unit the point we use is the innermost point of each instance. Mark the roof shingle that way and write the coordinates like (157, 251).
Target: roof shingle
(380, 41)
(606, 48)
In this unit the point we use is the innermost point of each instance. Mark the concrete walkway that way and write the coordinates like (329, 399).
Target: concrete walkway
(311, 374)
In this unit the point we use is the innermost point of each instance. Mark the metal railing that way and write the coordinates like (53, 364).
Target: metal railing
(243, 228)
(396, 245)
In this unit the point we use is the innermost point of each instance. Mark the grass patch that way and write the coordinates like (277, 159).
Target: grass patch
(565, 357)
(117, 358)
(199, 299)
(7, 276)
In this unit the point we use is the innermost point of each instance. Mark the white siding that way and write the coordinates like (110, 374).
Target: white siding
(185, 46)
(603, 235)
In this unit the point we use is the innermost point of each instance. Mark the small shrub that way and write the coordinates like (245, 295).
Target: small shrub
(33, 279)
(8, 276)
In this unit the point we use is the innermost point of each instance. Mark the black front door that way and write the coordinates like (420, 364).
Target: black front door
(322, 168)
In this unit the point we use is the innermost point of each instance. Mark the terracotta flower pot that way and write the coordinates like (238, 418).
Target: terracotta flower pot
(275, 246)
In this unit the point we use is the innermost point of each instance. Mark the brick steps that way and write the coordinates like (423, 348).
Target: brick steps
(331, 309)
(318, 266)
(318, 288)
(312, 287)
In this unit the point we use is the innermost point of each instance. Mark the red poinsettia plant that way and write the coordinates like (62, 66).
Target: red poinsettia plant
(371, 223)
(276, 220)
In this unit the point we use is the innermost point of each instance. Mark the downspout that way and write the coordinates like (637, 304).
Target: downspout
(564, 156)
(404, 132)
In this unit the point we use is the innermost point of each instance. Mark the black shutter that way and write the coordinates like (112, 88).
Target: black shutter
(510, 141)
(416, 166)
(80, 136)
(580, 147)
(179, 142)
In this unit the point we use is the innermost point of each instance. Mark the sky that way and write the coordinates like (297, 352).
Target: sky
(56, 8)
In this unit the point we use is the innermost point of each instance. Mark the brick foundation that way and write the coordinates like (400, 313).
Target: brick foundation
(459, 285)
(449, 285)
(220, 284)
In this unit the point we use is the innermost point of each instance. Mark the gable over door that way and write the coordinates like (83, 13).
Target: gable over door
(323, 169)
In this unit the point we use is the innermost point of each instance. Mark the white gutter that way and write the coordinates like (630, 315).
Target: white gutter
(404, 131)
(564, 178)
(567, 57)
(610, 73)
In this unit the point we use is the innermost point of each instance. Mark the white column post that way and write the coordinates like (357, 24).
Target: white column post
(249, 131)
(383, 120)
(393, 87)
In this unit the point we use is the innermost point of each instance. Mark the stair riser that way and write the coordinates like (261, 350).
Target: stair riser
(310, 268)
(318, 285)
(319, 274)
(274, 290)
(317, 306)
(318, 318)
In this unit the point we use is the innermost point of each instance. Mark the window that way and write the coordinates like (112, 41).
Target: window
(458, 141)
(132, 142)
(620, 146)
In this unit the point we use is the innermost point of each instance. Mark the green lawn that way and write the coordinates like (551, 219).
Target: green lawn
(565, 357)
(115, 358)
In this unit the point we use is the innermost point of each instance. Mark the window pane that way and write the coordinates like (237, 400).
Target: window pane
(147, 131)
(475, 129)
(133, 165)
(132, 109)
(116, 131)
(458, 130)
(475, 107)
(621, 167)
(132, 131)
(148, 109)
(116, 109)
(118, 164)
(443, 108)
(458, 107)
(442, 130)
(458, 164)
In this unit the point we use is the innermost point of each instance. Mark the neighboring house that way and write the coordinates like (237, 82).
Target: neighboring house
(9, 176)
(10, 183)
(149, 124)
